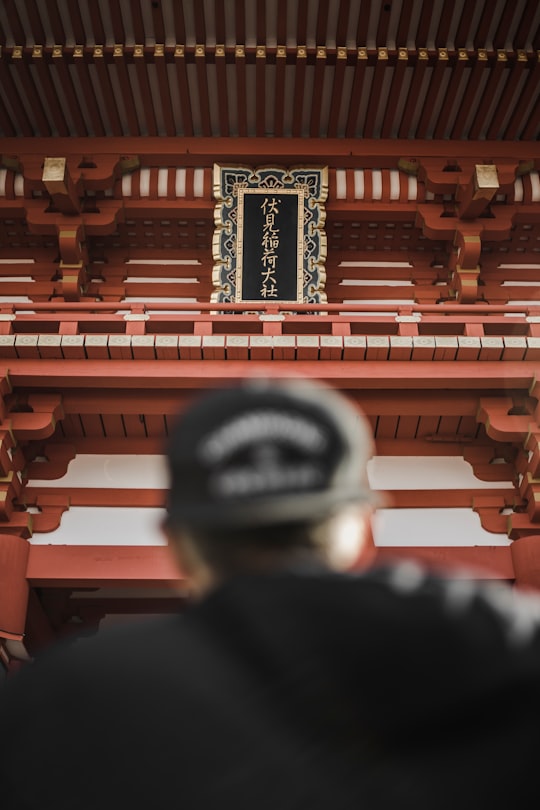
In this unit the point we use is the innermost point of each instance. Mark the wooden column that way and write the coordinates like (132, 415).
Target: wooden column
(13, 586)
(526, 561)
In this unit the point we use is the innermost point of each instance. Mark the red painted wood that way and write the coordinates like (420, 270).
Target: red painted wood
(241, 93)
(51, 97)
(479, 562)
(89, 97)
(14, 553)
(131, 119)
(340, 152)
(394, 94)
(299, 92)
(525, 553)
(260, 83)
(317, 94)
(87, 566)
(145, 95)
(101, 566)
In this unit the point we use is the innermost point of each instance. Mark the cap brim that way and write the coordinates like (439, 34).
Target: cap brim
(298, 508)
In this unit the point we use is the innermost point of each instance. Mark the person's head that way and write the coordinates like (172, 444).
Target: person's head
(263, 472)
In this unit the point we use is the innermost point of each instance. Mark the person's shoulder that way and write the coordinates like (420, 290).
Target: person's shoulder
(461, 599)
(115, 649)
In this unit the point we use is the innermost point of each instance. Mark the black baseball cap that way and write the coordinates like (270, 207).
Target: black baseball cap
(266, 452)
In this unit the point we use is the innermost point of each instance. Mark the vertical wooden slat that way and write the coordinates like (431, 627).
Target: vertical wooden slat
(480, 122)
(536, 39)
(281, 22)
(452, 88)
(381, 37)
(179, 23)
(337, 91)
(183, 90)
(55, 21)
(117, 21)
(342, 23)
(137, 21)
(356, 92)
(363, 23)
(432, 95)
(508, 96)
(375, 94)
(88, 93)
(318, 86)
(240, 21)
(301, 22)
(12, 16)
(6, 124)
(394, 94)
(260, 89)
(200, 24)
(299, 87)
(33, 97)
(241, 96)
(12, 93)
(414, 92)
(145, 93)
(480, 36)
(469, 94)
(202, 84)
(279, 104)
(260, 24)
(219, 22)
(223, 96)
(111, 109)
(461, 38)
(159, 26)
(424, 24)
(404, 22)
(125, 88)
(164, 93)
(443, 29)
(505, 22)
(77, 23)
(321, 30)
(531, 126)
(96, 22)
(51, 98)
(34, 18)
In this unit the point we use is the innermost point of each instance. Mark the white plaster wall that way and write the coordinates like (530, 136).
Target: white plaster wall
(392, 527)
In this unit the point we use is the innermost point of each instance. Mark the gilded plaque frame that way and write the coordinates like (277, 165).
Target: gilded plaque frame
(233, 185)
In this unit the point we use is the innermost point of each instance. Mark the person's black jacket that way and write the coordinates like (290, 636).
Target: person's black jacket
(288, 690)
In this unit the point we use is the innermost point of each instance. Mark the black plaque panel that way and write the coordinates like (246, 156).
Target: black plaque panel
(270, 262)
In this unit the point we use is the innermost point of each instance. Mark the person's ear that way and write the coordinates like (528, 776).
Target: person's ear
(349, 538)
(192, 568)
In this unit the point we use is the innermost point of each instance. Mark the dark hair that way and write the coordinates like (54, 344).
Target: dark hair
(229, 551)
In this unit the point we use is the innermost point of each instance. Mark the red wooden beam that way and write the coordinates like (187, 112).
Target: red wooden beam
(338, 152)
(169, 374)
(477, 562)
(100, 566)
(13, 586)
(93, 566)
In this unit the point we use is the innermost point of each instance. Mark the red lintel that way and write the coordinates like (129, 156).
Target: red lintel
(377, 153)
(98, 566)
(172, 375)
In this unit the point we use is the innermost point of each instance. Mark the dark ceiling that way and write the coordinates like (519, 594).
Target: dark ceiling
(272, 68)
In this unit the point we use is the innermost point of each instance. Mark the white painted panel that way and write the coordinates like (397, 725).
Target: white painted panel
(105, 526)
(122, 471)
(432, 527)
(125, 526)
(384, 472)
(425, 472)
